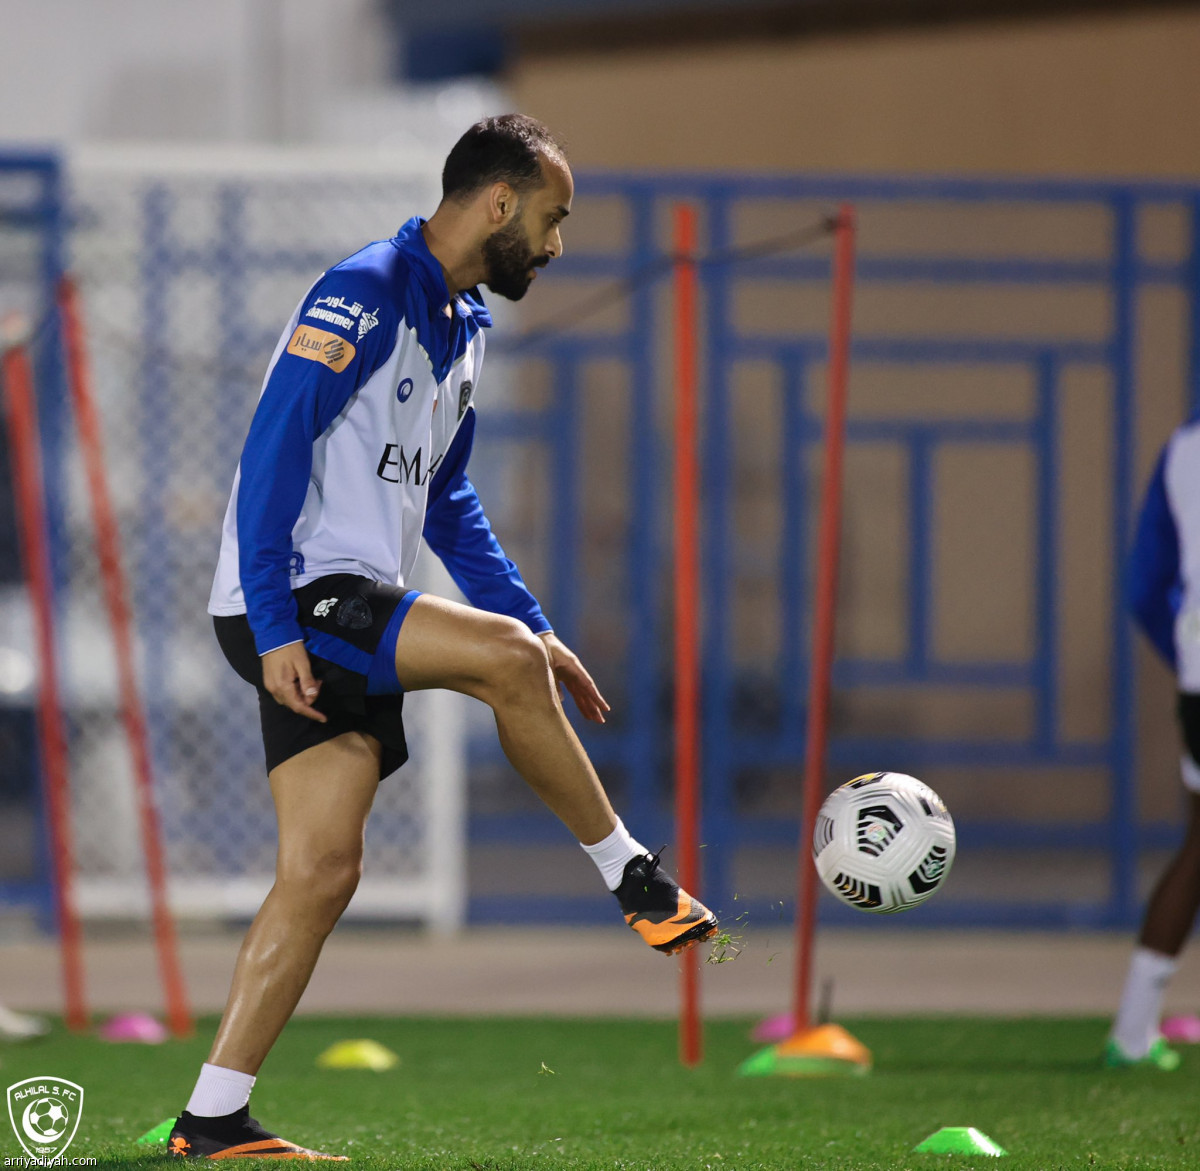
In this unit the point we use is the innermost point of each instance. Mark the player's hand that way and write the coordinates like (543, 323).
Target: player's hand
(569, 671)
(287, 675)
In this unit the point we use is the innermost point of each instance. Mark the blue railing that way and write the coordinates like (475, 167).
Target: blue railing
(633, 748)
(615, 611)
(32, 221)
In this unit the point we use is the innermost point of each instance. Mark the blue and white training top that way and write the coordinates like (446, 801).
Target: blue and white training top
(359, 446)
(1164, 564)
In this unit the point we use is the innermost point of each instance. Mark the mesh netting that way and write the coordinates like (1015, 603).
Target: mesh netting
(186, 279)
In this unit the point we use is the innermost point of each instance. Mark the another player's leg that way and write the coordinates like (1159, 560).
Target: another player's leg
(1168, 921)
(497, 660)
(322, 799)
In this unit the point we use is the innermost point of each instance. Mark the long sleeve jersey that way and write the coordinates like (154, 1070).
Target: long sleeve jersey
(359, 446)
(1164, 563)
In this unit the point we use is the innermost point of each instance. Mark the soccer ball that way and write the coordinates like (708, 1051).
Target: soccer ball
(48, 1118)
(883, 842)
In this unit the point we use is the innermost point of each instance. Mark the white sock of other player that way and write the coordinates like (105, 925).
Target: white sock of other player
(1137, 1020)
(220, 1091)
(20, 1026)
(613, 852)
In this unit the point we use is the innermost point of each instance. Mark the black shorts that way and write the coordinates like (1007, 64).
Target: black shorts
(350, 625)
(1189, 721)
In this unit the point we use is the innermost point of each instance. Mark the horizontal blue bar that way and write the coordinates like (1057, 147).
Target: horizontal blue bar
(872, 672)
(22, 888)
(30, 894)
(542, 422)
(959, 270)
(543, 828)
(519, 424)
(1160, 835)
(759, 831)
(584, 910)
(864, 348)
(21, 160)
(756, 831)
(977, 350)
(945, 911)
(901, 269)
(914, 188)
(514, 425)
(967, 753)
(937, 430)
(785, 749)
(36, 218)
(759, 914)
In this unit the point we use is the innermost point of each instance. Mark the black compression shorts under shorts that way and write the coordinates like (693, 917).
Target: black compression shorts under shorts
(350, 625)
(1189, 720)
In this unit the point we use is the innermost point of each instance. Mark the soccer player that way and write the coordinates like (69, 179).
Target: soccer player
(357, 450)
(1164, 580)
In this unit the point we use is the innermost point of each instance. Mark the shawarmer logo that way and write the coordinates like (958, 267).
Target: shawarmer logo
(45, 1113)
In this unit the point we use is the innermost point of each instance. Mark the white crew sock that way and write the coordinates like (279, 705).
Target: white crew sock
(611, 854)
(220, 1091)
(1136, 1025)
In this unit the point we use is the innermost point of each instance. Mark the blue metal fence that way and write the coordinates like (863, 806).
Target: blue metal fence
(616, 612)
(1117, 267)
(32, 238)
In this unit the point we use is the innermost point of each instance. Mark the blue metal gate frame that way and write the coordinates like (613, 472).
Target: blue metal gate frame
(637, 748)
(36, 208)
(1124, 272)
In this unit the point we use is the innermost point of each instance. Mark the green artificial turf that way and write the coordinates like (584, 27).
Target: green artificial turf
(502, 1093)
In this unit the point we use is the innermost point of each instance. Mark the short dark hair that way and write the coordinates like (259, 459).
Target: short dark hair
(503, 149)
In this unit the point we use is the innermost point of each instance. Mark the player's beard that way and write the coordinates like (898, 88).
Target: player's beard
(510, 261)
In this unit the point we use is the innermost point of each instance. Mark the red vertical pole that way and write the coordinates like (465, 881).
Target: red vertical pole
(687, 635)
(31, 522)
(825, 605)
(108, 542)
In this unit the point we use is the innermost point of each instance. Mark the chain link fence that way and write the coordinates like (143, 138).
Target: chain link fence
(188, 270)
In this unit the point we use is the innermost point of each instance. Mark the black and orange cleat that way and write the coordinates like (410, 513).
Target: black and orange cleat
(659, 910)
(234, 1136)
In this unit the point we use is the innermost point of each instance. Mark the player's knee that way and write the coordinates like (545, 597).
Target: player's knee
(324, 880)
(520, 663)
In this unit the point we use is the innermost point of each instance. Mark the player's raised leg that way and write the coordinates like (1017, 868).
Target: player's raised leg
(322, 799)
(499, 661)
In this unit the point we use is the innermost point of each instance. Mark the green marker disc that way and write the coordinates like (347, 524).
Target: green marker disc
(960, 1140)
(159, 1134)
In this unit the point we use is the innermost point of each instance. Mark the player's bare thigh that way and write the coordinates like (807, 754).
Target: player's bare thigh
(445, 644)
(323, 796)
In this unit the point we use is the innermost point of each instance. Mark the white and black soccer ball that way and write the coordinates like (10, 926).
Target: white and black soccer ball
(883, 842)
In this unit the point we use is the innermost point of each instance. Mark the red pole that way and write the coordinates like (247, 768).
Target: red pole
(687, 637)
(31, 521)
(108, 542)
(825, 606)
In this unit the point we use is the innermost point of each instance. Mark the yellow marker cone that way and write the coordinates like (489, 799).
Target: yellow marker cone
(361, 1054)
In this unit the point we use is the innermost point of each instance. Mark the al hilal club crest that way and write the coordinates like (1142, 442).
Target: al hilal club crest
(45, 1113)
